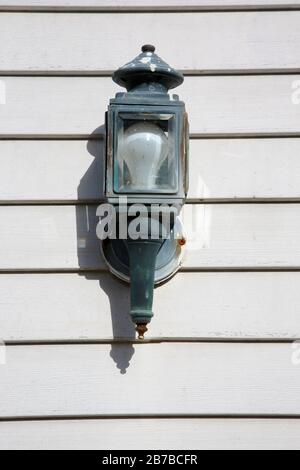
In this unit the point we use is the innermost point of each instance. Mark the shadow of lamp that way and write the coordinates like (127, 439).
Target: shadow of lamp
(146, 179)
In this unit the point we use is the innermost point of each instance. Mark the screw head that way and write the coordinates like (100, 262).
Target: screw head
(182, 241)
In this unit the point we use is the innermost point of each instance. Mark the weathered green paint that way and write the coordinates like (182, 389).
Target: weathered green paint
(147, 84)
(147, 80)
(142, 260)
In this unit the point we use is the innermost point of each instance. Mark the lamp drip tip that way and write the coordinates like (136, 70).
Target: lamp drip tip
(141, 329)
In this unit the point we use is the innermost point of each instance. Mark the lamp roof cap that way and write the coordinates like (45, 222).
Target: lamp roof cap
(147, 67)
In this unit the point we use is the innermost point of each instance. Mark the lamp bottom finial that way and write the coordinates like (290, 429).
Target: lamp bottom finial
(141, 329)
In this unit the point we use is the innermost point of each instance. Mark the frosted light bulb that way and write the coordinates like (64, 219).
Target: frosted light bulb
(144, 148)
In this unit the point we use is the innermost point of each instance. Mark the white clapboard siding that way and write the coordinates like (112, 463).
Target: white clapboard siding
(41, 307)
(133, 5)
(65, 170)
(165, 378)
(52, 236)
(72, 170)
(219, 236)
(76, 105)
(225, 41)
(183, 434)
(244, 169)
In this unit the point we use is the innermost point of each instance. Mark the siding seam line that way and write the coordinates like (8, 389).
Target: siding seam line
(154, 9)
(131, 341)
(149, 416)
(186, 73)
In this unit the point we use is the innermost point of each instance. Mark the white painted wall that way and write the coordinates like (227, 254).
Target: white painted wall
(220, 348)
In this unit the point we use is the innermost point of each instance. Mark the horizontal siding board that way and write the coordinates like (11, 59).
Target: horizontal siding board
(266, 40)
(219, 169)
(59, 170)
(165, 378)
(144, 4)
(58, 307)
(244, 169)
(219, 236)
(52, 236)
(183, 434)
(259, 236)
(216, 105)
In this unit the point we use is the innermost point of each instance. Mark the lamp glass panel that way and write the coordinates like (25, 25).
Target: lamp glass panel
(146, 154)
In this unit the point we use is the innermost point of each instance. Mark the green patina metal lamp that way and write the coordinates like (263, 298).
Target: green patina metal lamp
(146, 166)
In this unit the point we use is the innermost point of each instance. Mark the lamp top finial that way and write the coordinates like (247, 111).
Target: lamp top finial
(148, 48)
(147, 67)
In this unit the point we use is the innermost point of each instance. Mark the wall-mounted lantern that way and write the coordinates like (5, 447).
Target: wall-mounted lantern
(146, 178)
